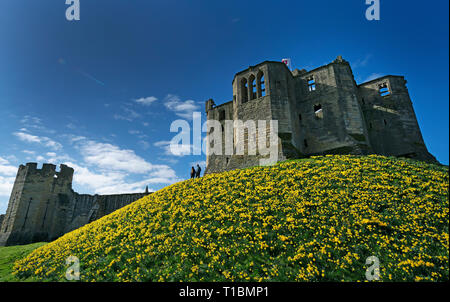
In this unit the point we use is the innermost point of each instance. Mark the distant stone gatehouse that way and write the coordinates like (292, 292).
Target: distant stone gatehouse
(43, 206)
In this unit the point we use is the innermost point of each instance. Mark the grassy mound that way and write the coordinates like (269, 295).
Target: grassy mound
(312, 220)
(9, 254)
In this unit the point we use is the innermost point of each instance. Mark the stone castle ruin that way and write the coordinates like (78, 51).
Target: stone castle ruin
(43, 205)
(322, 111)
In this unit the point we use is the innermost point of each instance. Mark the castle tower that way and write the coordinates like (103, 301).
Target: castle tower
(329, 118)
(321, 111)
(36, 206)
(390, 118)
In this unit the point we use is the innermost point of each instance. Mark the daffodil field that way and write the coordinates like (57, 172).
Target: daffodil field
(305, 220)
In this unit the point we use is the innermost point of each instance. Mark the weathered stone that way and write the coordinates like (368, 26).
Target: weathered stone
(43, 206)
(322, 111)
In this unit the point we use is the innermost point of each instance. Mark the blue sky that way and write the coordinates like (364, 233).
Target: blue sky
(100, 93)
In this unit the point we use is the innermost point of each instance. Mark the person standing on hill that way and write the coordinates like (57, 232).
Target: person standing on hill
(197, 173)
(192, 172)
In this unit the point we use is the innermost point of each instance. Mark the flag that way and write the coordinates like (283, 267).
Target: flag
(287, 62)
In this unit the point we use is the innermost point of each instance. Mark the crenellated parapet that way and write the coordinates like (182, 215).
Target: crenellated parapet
(43, 205)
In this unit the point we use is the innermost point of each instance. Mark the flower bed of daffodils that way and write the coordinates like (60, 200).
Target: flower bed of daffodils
(305, 220)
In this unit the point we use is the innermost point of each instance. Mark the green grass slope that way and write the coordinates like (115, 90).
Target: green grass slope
(9, 254)
(315, 220)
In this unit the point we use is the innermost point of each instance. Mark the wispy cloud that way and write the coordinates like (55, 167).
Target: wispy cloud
(373, 76)
(127, 114)
(107, 169)
(362, 62)
(7, 177)
(45, 141)
(176, 149)
(146, 101)
(183, 109)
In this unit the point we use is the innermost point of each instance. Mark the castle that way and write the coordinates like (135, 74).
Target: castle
(43, 205)
(322, 111)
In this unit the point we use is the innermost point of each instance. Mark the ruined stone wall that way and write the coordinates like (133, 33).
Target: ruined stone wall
(339, 127)
(391, 122)
(43, 206)
(322, 111)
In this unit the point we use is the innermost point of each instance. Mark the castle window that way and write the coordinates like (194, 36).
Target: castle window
(363, 101)
(299, 117)
(244, 90)
(311, 84)
(252, 84)
(384, 90)
(261, 87)
(221, 115)
(318, 111)
(305, 142)
(385, 123)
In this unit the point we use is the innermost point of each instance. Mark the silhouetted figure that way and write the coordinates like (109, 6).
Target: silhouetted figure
(192, 172)
(197, 173)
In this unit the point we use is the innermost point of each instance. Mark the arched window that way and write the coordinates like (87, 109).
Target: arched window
(252, 91)
(261, 87)
(244, 90)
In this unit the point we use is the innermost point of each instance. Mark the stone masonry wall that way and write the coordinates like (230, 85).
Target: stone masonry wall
(322, 111)
(43, 206)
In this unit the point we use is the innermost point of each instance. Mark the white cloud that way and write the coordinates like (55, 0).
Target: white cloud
(127, 114)
(29, 152)
(144, 144)
(176, 149)
(116, 182)
(111, 158)
(71, 126)
(183, 109)
(362, 62)
(146, 101)
(29, 138)
(373, 76)
(7, 177)
(6, 185)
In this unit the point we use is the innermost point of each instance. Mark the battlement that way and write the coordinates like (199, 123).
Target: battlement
(43, 205)
(47, 170)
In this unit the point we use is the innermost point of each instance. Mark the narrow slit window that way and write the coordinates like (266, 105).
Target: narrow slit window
(252, 83)
(384, 90)
(221, 115)
(305, 142)
(318, 111)
(299, 117)
(262, 85)
(311, 84)
(244, 90)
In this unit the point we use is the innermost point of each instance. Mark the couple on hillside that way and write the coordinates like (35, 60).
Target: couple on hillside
(194, 173)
